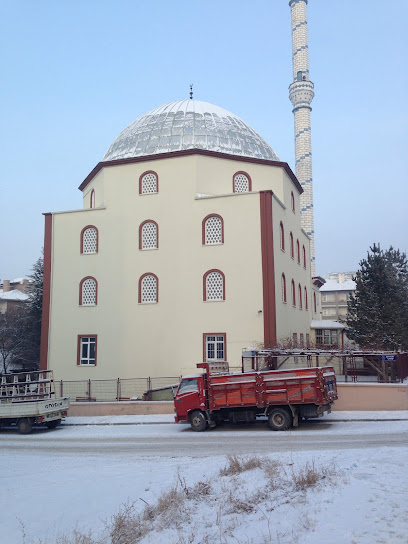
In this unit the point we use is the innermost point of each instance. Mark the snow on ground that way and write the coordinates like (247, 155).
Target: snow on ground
(361, 500)
(169, 418)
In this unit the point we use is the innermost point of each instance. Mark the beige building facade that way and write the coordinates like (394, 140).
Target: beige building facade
(179, 255)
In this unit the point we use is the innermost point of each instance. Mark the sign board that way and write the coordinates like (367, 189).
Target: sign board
(388, 357)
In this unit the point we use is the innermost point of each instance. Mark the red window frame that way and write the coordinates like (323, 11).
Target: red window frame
(140, 182)
(141, 234)
(205, 334)
(293, 289)
(203, 228)
(283, 285)
(282, 236)
(314, 302)
(292, 247)
(298, 251)
(92, 199)
(249, 180)
(292, 201)
(140, 288)
(82, 239)
(80, 291)
(306, 302)
(304, 257)
(79, 348)
(300, 296)
(205, 285)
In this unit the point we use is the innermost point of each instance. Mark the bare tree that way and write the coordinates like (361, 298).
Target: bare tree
(12, 337)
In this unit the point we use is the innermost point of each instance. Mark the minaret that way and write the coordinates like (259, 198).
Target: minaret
(301, 95)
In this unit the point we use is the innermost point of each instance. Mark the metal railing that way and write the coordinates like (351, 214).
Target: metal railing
(120, 389)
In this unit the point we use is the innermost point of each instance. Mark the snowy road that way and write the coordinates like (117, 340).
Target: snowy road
(179, 440)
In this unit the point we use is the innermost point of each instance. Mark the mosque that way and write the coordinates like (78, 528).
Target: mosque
(194, 241)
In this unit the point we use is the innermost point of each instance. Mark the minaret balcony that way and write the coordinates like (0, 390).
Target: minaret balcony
(301, 93)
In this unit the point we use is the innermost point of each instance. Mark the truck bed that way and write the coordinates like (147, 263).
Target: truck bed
(261, 389)
(33, 408)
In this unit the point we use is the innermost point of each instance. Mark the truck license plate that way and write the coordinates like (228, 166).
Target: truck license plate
(52, 415)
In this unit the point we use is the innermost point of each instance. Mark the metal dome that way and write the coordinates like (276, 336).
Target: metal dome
(189, 124)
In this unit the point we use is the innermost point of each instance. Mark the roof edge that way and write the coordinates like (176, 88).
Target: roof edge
(186, 152)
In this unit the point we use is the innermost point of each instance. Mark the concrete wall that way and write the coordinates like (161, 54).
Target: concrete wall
(371, 397)
(352, 397)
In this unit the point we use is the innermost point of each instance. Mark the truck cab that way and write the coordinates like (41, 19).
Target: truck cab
(190, 396)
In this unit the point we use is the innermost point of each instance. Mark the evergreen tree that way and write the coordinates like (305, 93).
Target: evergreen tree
(378, 310)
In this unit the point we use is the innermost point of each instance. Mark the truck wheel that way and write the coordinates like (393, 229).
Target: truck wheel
(279, 419)
(198, 422)
(54, 423)
(24, 426)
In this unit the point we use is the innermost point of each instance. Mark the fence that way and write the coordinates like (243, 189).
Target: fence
(120, 389)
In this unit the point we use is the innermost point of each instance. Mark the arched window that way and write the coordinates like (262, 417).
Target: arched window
(292, 250)
(283, 288)
(293, 289)
(306, 302)
(148, 235)
(298, 251)
(242, 182)
(282, 236)
(314, 302)
(304, 256)
(300, 296)
(213, 230)
(88, 291)
(92, 199)
(292, 201)
(214, 285)
(148, 288)
(89, 239)
(148, 183)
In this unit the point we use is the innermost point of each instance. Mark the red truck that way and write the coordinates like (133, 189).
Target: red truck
(283, 396)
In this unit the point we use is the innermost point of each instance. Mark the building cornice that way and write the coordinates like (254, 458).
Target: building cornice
(187, 152)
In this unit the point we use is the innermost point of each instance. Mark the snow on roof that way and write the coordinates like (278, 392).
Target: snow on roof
(13, 295)
(325, 324)
(334, 285)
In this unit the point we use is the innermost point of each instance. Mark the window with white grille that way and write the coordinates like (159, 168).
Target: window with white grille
(149, 235)
(88, 292)
(214, 286)
(148, 287)
(90, 240)
(213, 230)
(215, 347)
(241, 183)
(148, 183)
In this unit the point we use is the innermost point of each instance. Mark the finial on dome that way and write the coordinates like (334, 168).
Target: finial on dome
(191, 91)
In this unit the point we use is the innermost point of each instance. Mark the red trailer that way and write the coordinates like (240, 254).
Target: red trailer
(283, 396)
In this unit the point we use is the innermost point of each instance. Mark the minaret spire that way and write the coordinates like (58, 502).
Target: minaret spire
(301, 93)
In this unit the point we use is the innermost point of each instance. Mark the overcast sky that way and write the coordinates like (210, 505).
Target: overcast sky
(75, 73)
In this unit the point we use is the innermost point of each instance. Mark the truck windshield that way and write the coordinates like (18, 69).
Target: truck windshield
(188, 386)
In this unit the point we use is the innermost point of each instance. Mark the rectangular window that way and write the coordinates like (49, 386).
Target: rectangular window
(295, 340)
(302, 340)
(307, 340)
(86, 350)
(326, 337)
(215, 347)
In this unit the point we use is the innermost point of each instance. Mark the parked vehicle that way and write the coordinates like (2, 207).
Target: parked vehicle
(28, 398)
(283, 396)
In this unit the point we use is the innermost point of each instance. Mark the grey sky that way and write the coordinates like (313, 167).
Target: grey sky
(76, 73)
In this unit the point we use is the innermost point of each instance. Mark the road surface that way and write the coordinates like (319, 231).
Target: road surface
(146, 441)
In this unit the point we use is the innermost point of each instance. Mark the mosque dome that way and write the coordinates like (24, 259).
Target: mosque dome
(189, 124)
